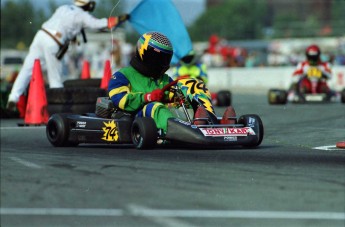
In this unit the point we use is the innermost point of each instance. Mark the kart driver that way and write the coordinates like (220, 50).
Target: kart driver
(138, 88)
(189, 66)
(312, 66)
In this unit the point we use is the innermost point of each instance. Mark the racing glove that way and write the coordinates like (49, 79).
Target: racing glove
(115, 21)
(154, 96)
(112, 22)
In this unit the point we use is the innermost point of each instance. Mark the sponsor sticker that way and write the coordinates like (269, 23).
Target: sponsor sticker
(251, 122)
(227, 131)
(111, 132)
(81, 138)
(81, 124)
(230, 138)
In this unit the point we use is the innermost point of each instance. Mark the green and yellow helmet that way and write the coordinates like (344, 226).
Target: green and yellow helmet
(189, 59)
(153, 54)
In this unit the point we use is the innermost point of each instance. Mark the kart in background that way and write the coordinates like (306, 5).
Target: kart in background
(314, 75)
(108, 125)
(221, 98)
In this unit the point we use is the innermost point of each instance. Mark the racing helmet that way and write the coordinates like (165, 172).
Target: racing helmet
(86, 5)
(189, 59)
(313, 53)
(153, 54)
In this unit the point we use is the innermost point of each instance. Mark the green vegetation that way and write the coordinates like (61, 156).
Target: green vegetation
(268, 19)
(236, 19)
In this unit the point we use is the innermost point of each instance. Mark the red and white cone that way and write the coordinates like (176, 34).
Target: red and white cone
(340, 144)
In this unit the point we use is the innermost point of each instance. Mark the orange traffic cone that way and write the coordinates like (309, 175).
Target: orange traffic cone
(85, 73)
(106, 75)
(36, 108)
(21, 105)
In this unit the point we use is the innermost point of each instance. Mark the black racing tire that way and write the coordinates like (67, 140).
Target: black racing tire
(71, 108)
(94, 82)
(74, 95)
(57, 131)
(255, 122)
(144, 133)
(224, 98)
(343, 96)
(277, 96)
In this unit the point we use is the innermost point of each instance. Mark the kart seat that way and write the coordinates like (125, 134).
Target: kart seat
(106, 109)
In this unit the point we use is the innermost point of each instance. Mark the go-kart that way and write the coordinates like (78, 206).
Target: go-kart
(109, 125)
(311, 95)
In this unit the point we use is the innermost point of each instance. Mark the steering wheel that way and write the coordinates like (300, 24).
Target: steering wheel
(169, 85)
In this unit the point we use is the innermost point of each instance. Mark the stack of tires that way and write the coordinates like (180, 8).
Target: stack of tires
(77, 96)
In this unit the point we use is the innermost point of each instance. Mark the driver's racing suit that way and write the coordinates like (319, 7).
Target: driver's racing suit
(300, 81)
(196, 71)
(127, 88)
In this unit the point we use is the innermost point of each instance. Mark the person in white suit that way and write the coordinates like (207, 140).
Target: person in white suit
(51, 42)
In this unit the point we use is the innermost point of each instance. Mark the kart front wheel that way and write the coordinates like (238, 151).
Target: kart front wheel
(144, 133)
(57, 131)
(253, 121)
(343, 96)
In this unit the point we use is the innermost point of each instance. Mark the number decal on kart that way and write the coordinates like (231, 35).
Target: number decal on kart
(196, 87)
(314, 72)
(110, 131)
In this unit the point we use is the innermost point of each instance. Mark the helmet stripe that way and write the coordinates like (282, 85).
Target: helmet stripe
(155, 44)
(161, 47)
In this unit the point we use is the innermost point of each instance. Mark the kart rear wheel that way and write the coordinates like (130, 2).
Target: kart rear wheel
(224, 98)
(343, 96)
(277, 96)
(255, 122)
(144, 133)
(57, 131)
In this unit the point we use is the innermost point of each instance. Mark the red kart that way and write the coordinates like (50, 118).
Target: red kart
(312, 88)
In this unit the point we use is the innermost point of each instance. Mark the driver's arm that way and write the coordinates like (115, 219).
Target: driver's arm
(298, 73)
(326, 71)
(121, 95)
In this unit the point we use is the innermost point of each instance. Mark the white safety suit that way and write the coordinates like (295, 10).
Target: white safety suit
(65, 24)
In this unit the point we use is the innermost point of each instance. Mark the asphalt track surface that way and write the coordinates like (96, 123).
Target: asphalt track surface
(295, 178)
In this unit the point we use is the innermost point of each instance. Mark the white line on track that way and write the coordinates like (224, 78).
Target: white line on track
(164, 221)
(328, 148)
(177, 213)
(26, 163)
(61, 211)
